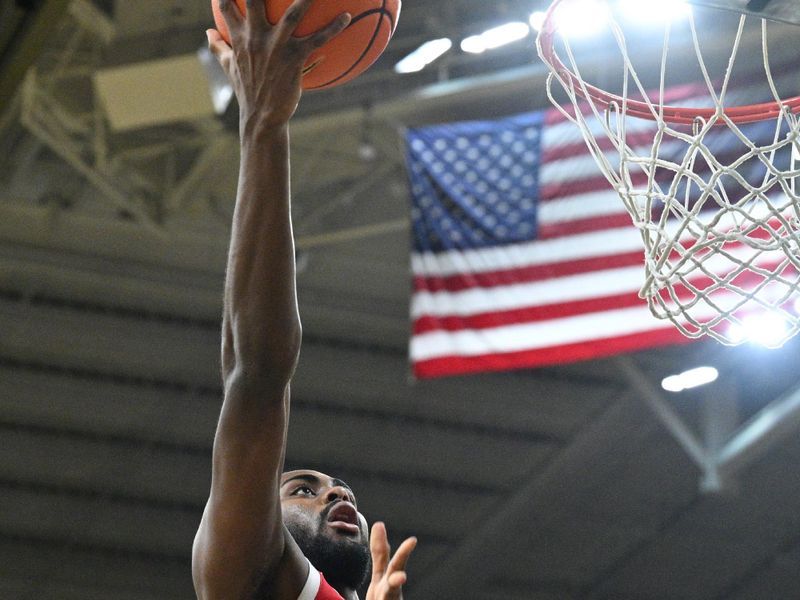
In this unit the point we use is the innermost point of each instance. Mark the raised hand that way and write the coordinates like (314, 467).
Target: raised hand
(264, 62)
(388, 575)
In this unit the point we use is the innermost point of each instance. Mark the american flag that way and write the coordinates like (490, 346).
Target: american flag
(523, 255)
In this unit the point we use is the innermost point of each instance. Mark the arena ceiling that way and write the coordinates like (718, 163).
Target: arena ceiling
(556, 483)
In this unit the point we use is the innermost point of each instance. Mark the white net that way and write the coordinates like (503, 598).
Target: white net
(712, 190)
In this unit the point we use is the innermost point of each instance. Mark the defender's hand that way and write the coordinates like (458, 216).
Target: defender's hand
(388, 576)
(264, 62)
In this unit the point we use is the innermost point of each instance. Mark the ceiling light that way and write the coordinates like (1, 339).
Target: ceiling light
(496, 37)
(690, 379)
(655, 10)
(766, 330)
(423, 56)
(218, 85)
(581, 18)
(367, 151)
(537, 20)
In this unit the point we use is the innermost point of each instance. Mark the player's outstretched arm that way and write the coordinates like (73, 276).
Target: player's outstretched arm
(388, 572)
(241, 544)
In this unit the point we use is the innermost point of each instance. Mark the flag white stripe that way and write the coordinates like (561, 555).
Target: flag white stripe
(534, 336)
(571, 288)
(540, 293)
(565, 133)
(575, 168)
(589, 245)
(581, 206)
(584, 166)
(607, 242)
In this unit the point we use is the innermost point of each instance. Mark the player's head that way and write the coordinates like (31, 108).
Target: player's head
(321, 514)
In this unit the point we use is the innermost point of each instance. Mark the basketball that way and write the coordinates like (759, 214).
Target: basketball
(350, 53)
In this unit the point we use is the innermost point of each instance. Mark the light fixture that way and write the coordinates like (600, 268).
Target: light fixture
(496, 37)
(690, 379)
(423, 56)
(367, 151)
(582, 18)
(765, 330)
(154, 93)
(659, 11)
(218, 85)
(537, 20)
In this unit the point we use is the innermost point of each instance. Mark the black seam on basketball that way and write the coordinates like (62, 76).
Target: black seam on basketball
(379, 11)
(308, 68)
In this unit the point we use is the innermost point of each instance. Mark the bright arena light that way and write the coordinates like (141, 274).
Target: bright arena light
(423, 56)
(690, 379)
(659, 11)
(496, 37)
(766, 330)
(537, 20)
(582, 18)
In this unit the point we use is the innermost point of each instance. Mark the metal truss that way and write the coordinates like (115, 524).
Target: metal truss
(726, 447)
(149, 178)
(156, 175)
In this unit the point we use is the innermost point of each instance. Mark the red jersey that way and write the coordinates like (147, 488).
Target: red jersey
(317, 588)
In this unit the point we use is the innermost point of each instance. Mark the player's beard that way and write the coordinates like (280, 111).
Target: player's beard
(344, 561)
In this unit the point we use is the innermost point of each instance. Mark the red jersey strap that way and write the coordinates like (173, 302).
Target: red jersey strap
(326, 592)
(316, 588)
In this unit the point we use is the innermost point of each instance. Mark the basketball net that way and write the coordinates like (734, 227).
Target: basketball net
(720, 221)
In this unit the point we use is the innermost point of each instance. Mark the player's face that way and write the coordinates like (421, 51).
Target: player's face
(320, 513)
(323, 502)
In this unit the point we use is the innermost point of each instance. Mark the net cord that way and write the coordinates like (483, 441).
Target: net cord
(679, 257)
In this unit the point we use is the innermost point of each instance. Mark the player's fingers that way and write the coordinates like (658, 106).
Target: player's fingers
(379, 548)
(397, 580)
(292, 17)
(257, 15)
(400, 559)
(216, 44)
(233, 17)
(323, 36)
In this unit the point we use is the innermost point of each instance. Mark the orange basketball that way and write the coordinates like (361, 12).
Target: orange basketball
(347, 55)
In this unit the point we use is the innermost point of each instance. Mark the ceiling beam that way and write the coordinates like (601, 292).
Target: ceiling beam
(26, 28)
(121, 347)
(48, 565)
(462, 572)
(94, 519)
(639, 381)
(773, 424)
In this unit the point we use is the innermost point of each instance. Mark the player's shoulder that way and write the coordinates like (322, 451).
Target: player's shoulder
(215, 580)
(316, 588)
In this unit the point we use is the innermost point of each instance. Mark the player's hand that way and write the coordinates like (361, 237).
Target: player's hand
(265, 62)
(388, 576)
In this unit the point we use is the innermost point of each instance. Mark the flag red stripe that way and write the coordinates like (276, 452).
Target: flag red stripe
(592, 349)
(641, 139)
(546, 312)
(463, 281)
(428, 323)
(457, 283)
(587, 225)
(565, 188)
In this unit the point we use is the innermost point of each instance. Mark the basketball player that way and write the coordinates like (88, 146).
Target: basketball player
(260, 528)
